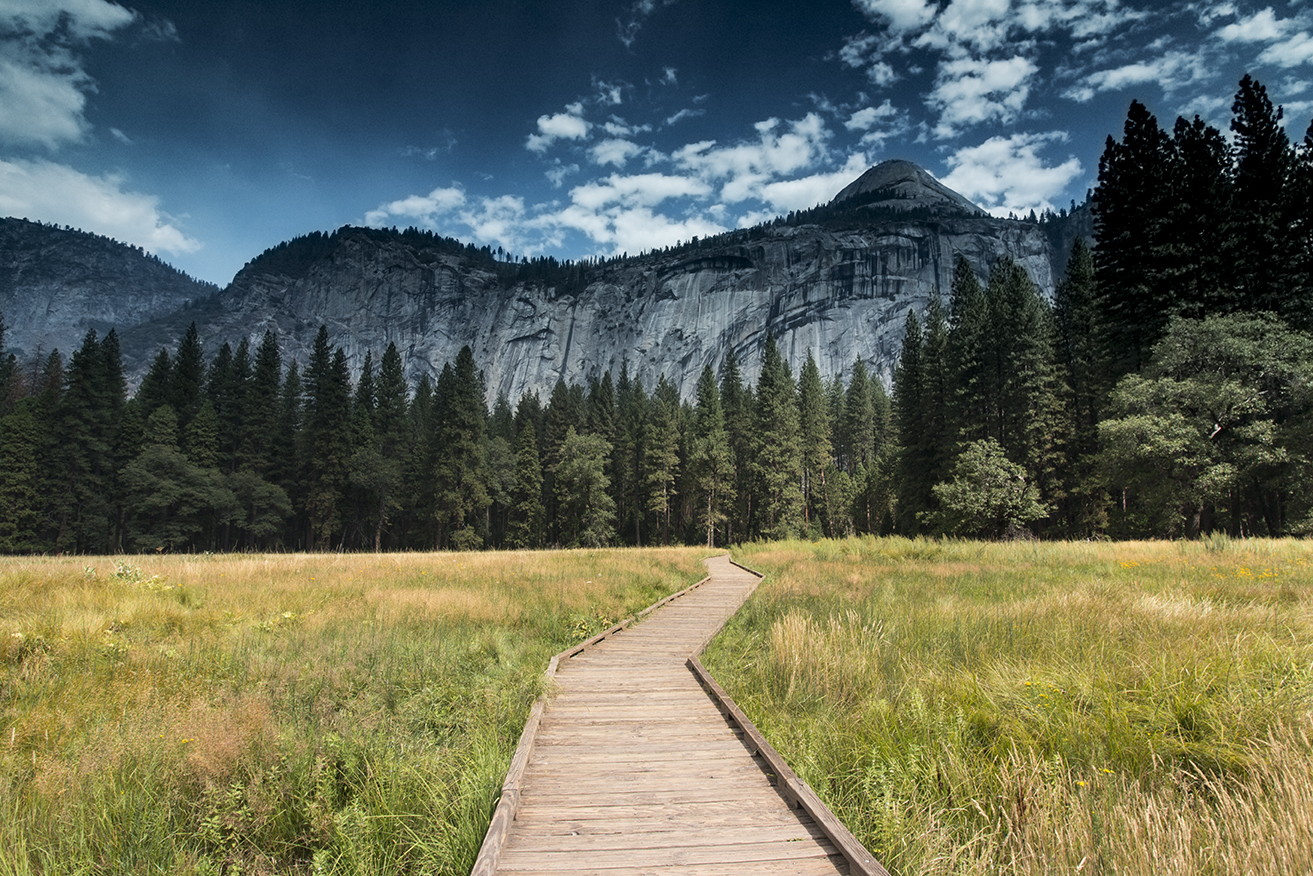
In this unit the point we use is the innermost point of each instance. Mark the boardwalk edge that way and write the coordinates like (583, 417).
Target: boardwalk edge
(796, 791)
(485, 864)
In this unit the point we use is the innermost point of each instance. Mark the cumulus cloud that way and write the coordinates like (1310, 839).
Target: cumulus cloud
(866, 118)
(780, 149)
(899, 15)
(616, 152)
(52, 192)
(569, 125)
(1262, 27)
(423, 209)
(43, 84)
(1007, 174)
(970, 91)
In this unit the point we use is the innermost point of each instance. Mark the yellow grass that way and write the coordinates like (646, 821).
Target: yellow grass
(1138, 708)
(282, 713)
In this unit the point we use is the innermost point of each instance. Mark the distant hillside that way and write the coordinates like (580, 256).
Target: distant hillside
(56, 283)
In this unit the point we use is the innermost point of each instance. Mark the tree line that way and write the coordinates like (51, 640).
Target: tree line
(1164, 391)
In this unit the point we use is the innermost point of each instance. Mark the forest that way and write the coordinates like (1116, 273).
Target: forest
(1165, 391)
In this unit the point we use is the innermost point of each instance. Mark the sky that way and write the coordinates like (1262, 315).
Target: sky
(206, 132)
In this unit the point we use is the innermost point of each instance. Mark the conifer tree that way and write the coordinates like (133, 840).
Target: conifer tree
(526, 528)
(1196, 257)
(187, 376)
(627, 455)
(1265, 252)
(737, 402)
(710, 461)
(583, 491)
(909, 410)
(817, 449)
(461, 481)
(20, 479)
(260, 423)
(661, 455)
(777, 460)
(327, 443)
(1131, 206)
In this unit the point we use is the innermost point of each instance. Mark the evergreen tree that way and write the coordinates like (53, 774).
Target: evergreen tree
(85, 432)
(527, 528)
(627, 464)
(187, 377)
(1196, 258)
(587, 509)
(1131, 206)
(737, 402)
(260, 423)
(711, 462)
(156, 386)
(661, 455)
(817, 449)
(1265, 251)
(327, 444)
(461, 481)
(909, 410)
(20, 479)
(777, 460)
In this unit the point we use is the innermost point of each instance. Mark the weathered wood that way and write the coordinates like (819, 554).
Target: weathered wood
(634, 768)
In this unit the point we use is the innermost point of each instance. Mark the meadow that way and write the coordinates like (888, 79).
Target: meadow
(282, 713)
(1028, 708)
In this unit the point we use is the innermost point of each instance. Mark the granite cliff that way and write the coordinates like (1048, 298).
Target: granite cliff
(837, 280)
(57, 283)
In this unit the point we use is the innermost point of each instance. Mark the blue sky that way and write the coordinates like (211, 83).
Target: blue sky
(208, 131)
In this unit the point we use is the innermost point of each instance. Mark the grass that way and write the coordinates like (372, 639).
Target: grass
(1140, 708)
(289, 713)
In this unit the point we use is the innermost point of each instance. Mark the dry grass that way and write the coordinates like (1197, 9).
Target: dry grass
(284, 713)
(1038, 708)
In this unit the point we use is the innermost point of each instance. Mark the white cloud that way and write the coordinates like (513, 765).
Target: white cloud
(52, 192)
(865, 119)
(970, 91)
(43, 85)
(808, 191)
(1261, 27)
(627, 31)
(745, 166)
(616, 152)
(1290, 53)
(1171, 71)
(899, 15)
(1006, 174)
(684, 114)
(422, 208)
(569, 125)
(646, 189)
(556, 175)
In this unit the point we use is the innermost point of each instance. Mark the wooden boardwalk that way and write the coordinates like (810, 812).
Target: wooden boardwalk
(634, 769)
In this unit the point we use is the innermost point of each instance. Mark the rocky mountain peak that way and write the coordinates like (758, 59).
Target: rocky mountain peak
(902, 185)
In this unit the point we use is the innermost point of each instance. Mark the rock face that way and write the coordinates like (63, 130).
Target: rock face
(56, 284)
(837, 282)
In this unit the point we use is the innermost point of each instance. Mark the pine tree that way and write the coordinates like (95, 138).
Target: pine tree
(817, 449)
(777, 461)
(909, 411)
(737, 402)
(661, 455)
(1264, 250)
(327, 443)
(527, 515)
(710, 461)
(587, 509)
(187, 376)
(260, 424)
(1131, 206)
(1196, 259)
(461, 481)
(20, 479)
(627, 455)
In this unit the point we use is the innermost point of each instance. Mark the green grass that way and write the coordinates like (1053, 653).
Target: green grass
(282, 714)
(1041, 708)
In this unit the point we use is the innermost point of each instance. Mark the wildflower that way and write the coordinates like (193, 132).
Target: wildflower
(1080, 784)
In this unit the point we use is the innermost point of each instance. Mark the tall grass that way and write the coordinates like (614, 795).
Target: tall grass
(293, 713)
(1041, 708)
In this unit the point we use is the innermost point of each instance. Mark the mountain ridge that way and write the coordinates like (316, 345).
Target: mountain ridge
(836, 281)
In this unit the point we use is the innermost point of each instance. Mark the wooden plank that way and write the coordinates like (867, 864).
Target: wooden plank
(570, 860)
(804, 867)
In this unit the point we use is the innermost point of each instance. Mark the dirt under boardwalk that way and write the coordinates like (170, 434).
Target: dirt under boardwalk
(635, 771)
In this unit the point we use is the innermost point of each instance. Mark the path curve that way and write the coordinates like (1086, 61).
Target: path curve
(634, 770)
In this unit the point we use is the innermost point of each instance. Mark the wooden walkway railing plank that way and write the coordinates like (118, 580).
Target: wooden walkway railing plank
(631, 766)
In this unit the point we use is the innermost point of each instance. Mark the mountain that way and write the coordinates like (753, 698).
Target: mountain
(57, 283)
(837, 280)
